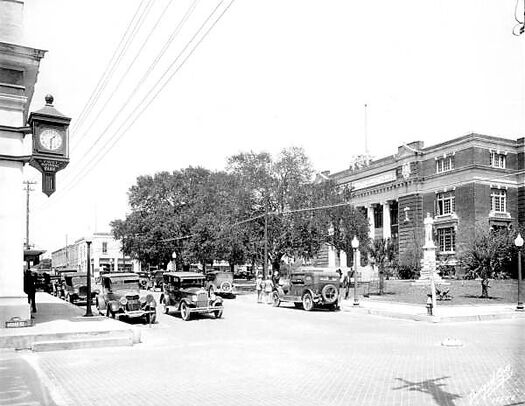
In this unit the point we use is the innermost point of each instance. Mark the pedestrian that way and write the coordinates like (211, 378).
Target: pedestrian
(29, 288)
(268, 287)
(259, 287)
(346, 285)
(275, 279)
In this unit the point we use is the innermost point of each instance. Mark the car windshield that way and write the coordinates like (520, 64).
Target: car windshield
(191, 283)
(125, 283)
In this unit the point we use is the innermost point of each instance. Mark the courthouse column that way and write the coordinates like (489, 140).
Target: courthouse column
(387, 232)
(371, 222)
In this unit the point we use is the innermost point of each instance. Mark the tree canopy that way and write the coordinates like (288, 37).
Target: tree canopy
(205, 216)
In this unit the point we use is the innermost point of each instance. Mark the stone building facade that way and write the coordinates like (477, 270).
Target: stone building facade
(474, 181)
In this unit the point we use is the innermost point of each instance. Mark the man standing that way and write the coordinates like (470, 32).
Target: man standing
(259, 287)
(29, 288)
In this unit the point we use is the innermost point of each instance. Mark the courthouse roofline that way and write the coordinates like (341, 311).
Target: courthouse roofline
(416, 148)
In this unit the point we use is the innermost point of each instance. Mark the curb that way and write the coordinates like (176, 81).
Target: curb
(434, 319)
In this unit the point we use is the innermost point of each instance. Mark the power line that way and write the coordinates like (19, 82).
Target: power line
(122, 47)
(130, 65)
(128, 123)
(142, 80)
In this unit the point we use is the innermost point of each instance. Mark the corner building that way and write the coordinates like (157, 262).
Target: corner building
(468, 182)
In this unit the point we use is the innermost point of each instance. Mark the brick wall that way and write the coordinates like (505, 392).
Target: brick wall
(410, 232)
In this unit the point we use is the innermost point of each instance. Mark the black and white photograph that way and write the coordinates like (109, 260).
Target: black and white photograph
(262, 202)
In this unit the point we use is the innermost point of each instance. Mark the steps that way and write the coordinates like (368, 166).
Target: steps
(82, 343)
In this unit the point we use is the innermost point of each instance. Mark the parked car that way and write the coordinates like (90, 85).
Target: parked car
(220, 283)
(120, 298)
(76, 288)
(185, 292)
(308, 288)
(144, 280)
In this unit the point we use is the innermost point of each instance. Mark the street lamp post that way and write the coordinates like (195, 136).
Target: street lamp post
(355, 246)
(88, 285)
(519, 243)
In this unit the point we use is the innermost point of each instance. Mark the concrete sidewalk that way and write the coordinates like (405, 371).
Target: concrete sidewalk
(441, 313)
(60, 325)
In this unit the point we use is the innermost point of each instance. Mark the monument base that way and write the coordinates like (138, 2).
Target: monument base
(14, 308)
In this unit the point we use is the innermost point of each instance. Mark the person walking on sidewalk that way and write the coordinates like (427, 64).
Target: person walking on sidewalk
(29, 288)
(259, 287)
(268, 287)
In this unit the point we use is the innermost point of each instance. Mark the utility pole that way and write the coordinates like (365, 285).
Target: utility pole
(28, 189)
(265, 264)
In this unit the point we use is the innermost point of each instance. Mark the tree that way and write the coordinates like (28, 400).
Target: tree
(383, 252)
(488, 255)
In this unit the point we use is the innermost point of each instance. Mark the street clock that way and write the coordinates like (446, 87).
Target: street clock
(50, 143)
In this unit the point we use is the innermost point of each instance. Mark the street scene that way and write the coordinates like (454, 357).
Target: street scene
(240, 203)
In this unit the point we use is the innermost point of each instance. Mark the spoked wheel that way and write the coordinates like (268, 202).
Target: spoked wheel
(275, 299)
(308, 302)
(185, 311)
(217, 313)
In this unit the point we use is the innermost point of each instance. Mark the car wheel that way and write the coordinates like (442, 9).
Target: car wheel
(308, 302)
(109, 313)
(329, 293)
(275, 299)
(185, 311)
(218, 313)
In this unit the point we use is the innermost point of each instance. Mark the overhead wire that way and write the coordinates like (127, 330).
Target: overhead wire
(130, 65)
(141, 107)
(127, 38)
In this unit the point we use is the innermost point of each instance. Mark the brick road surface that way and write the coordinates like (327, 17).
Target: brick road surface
(260, 355)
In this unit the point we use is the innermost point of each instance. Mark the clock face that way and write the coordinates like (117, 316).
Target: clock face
(50, 139)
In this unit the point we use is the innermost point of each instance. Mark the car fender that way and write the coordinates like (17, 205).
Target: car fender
(114, 305)
(217, 301)
(312, 293)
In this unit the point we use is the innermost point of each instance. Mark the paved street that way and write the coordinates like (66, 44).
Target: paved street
(260, 355)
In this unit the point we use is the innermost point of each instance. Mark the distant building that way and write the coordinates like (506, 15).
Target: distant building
(105, 255)
(468, 182)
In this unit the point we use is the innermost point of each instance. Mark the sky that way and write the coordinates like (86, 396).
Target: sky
(270, 74)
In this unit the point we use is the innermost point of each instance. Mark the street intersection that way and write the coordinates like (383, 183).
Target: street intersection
(257, 354)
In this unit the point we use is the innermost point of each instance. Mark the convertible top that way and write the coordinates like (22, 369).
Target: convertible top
(191, 275)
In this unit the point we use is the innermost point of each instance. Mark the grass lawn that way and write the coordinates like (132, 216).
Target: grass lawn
(463, 292)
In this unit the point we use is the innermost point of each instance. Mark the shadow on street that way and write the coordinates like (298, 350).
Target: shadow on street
(433, 387)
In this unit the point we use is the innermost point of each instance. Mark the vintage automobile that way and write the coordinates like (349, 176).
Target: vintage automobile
(120, 298)
(220, 283)
(75, 288)
(308, 288)
(144, 280)
(185, 292)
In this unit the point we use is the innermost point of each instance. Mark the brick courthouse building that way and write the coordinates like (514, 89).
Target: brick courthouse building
(468, 182)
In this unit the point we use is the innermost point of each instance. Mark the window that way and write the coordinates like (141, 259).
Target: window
(104, 247)
(445, 203)
(444, 164)
(498, 199)
(498, 160)
(393, 213)
(378, 216)
(447, 239)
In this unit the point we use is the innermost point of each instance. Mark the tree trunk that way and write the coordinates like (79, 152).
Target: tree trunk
(381, 280)
(484, 288)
